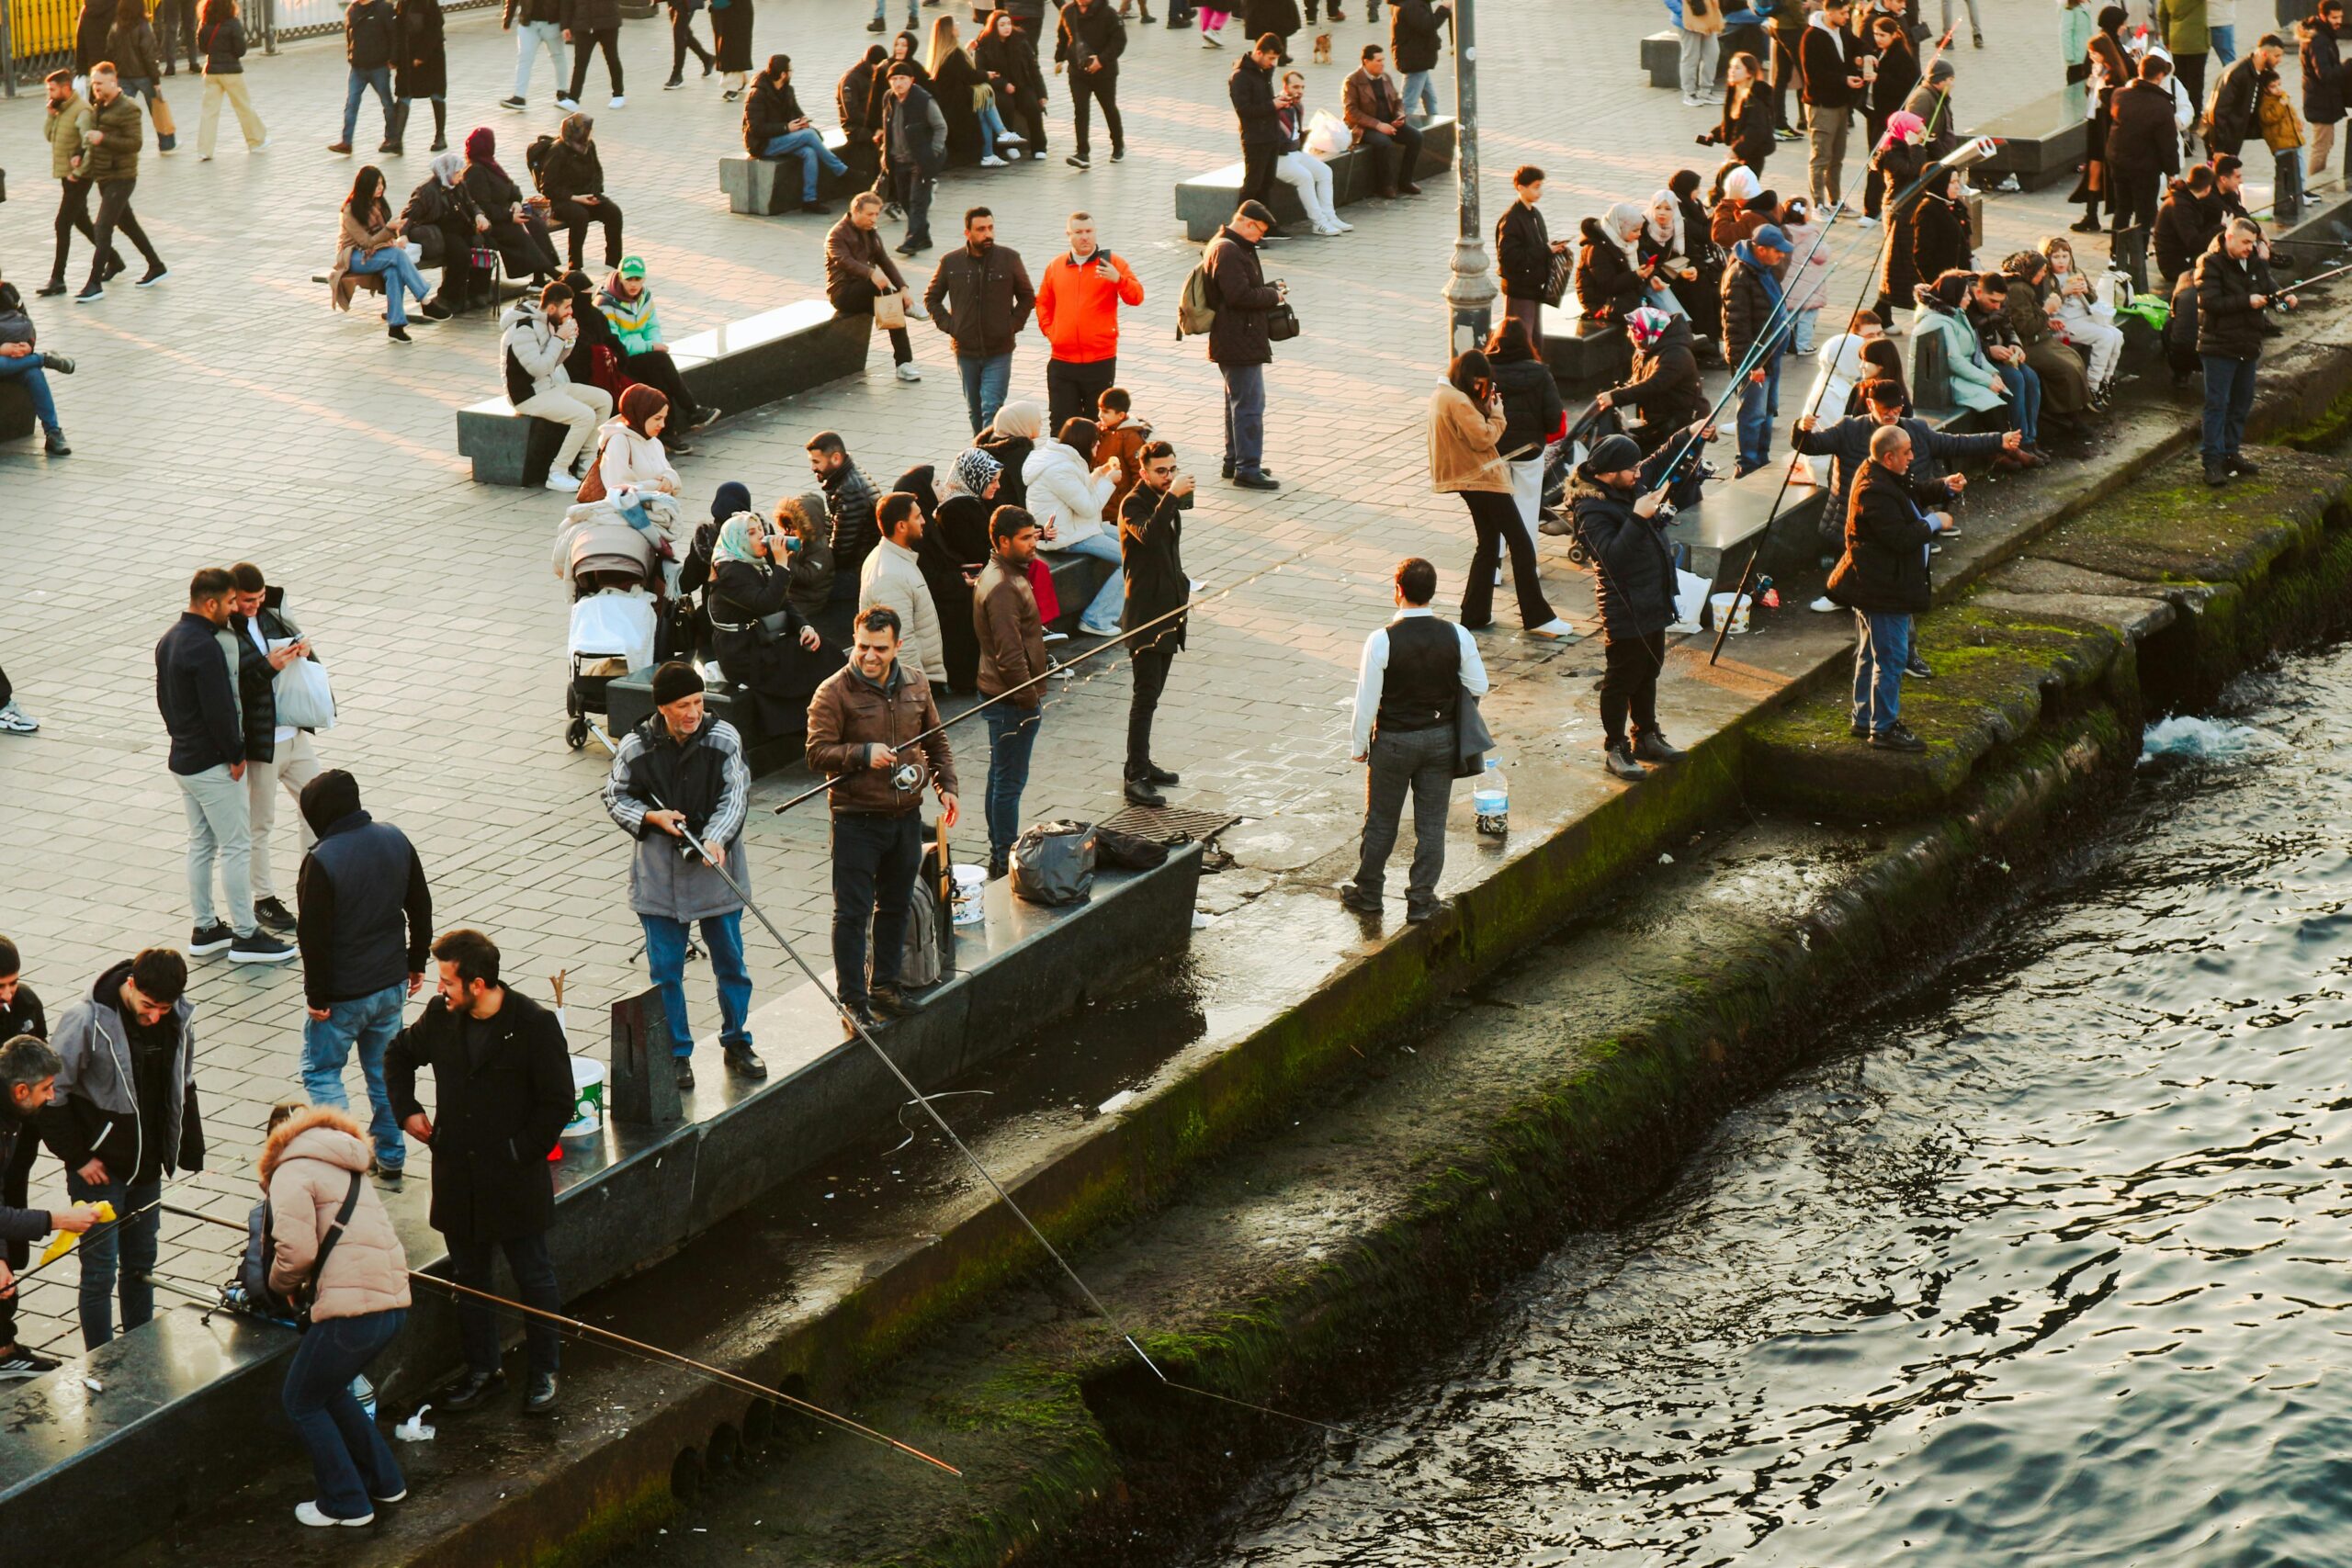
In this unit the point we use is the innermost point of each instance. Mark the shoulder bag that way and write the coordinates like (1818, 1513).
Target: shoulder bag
(1472, 740)
(1281, 323)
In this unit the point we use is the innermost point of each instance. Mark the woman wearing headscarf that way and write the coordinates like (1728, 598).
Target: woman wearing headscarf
(422, 68)
(1895, 163)
(1609, 285)
(948, 572)
(573, 178)
(519, 233)
(1010, 438)
(368, 247)
(2110, 67)
(1740, 212)
(731, 37)
(441, 220)
(694, 572)
(779, 662)
(1629, 226)
(632, 463)
(1939, 237)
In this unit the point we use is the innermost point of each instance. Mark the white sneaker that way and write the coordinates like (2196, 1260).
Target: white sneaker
(263, 145)
(308, 1513)
(616, 102)
(909, 373)
(1057, 636)
(15, 720)
(567, 104)
(563, 483)
(1015, 138)
(1555, 627)
(1345, 227)
(992, 161)
(1693, 101)
(1824, 605)
(1330, 230)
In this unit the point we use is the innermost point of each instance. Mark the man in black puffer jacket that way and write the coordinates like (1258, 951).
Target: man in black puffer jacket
(1882, 578)
(370, 40)
(2233, 291)
(1632, 586)
(1755, 333)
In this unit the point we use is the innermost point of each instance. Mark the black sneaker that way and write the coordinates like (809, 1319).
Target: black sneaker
(469, 1393)
(1159, 775)
(541, 1399)
(56, 364)
(1898, 739)
(1424, 915)
(744, 1062)
(1918, 671)
(20, 1363)
(154, 276)
(116, 266)
(1119, 154)
(433, 310)
(1354, 899)
(91, 294)
(211, 938)
(2215, 474)
(875, 26)
(261, 948)
(1256, 481)
(856, 1015)
(1652, 746)
(888, 1001)
(511, 102)
(1140, 793)
(817, 208)
(684, 1068)
(673, 84)
(52, 290)
(397, 335)
(273, 914)
(2239, 468)
(1078, 161)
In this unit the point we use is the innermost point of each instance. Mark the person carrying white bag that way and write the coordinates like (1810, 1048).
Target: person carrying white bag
(284, 696)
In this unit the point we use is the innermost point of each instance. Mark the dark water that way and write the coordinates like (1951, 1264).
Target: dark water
(2048, 1265)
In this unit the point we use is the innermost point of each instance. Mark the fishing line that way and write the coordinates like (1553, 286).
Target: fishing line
(109, 1226)
(591, 1333)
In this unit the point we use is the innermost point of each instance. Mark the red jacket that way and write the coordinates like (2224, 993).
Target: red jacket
(1077, 309)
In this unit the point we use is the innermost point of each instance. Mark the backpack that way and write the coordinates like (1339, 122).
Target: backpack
(1196, 307)
(261, 1251)
(534, 160)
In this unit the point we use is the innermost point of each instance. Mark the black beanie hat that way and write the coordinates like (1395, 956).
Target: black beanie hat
(329, 798)
(674, 680)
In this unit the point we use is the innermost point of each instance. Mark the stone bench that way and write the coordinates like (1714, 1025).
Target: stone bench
(761, 359)
(766, 186)
(16, 418)
(2042, 142)
(1584, 356)
(1662, 60)
(1206, 201)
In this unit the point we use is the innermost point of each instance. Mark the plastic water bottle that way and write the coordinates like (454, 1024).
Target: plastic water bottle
(1490, 798)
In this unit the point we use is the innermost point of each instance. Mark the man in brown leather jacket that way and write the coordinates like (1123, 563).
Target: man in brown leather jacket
(875, 731)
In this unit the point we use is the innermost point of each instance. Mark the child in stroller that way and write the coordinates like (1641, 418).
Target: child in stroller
(620, 611)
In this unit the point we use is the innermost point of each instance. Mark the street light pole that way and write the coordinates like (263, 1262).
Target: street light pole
(1470, 291)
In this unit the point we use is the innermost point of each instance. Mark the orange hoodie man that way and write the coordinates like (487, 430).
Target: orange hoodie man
(1078, 309)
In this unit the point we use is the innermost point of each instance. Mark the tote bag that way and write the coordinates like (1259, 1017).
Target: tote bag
(305, 699)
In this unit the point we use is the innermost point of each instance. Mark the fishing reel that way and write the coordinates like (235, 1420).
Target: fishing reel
(907, 778)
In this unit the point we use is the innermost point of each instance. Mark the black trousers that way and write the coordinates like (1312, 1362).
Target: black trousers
(1784, 75)
(1874, 191)
(681, 41)
(1149, 667)
(176, 31)
(1071, 389)
(1101, 87)
(114, 212)
(1022, 113)
(1395, 159)
(73, 214)
(2133, 197)
(1258, 173)
(582, 42)
(1494, 517)
(577, 216)
(2191, 68)
(525, 247)
(17, 1177)
(1630, 666)
(659, 371)
(470, 1262)
(875, 859)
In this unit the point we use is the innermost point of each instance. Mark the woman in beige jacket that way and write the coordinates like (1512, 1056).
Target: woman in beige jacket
(1465, 421)
(316, 1162)
(371, 252)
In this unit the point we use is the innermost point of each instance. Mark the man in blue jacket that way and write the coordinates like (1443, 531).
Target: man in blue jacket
(198, 696)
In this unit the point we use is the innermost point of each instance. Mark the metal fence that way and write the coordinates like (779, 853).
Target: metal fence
(37, 35)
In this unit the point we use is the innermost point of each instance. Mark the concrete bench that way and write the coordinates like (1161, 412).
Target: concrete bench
(2042, 142)
(1584, 356)
(765, 186)
(761, 359)
(16, 418)
(1662, 60)
(1204, 202)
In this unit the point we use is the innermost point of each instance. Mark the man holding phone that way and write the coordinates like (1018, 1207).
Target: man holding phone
(1151, 531)
(1078, 309)
(277, 756)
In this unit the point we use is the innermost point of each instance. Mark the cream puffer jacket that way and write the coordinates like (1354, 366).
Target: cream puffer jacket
(306, 1169)
(1065, 493)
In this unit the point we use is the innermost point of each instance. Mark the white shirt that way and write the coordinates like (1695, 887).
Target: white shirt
(1374, 674)
(253, 629)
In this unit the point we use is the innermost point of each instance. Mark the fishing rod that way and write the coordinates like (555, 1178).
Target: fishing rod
(591, 1333)
(2316, 278)
(102, 1225)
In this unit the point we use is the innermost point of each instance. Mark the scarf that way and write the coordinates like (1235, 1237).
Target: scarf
(735, 541)
(447, 166)
(732, 497)
(1020, 418)
(1668, 234)
(1619, 218)
(975, 470)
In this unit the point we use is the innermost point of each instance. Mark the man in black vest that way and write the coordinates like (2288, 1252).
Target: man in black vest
(365, 921)
(1415, 669)
(502, 1083)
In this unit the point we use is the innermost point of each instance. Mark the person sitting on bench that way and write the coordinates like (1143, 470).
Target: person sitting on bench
(774, 126)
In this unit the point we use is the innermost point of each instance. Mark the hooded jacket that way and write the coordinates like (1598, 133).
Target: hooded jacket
(2322, 54)
(1752, 294)
(1606, 286)
(705, 776)
(2143, 140)
(494, 1119)
(914, 133)
(1975, 383)
(1666, 390)
(96, 1113)
(1825, 62)
(1632, 580)
(1413, 35)
(533, 352)
(360, 885)
(1064, 491)
(635, 322)
(306, 1169)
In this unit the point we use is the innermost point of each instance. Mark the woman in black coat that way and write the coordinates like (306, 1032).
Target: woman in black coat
(1939, 241)
(1009, 58)
(1280, 18)
(440, 217)
(878, 93)
(952, 77)
(731, 37)
(779, 662)
(422, 68)
(1746, 128)
(518, 231)
(1607, 284)
(1897, 72)
(1895, 163)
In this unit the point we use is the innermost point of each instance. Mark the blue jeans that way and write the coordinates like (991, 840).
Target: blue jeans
(1882, 650)
(1102, 617)
(1245, 416)
(1417, 86)
(1013, 735)
(986, 379)
(2025, 400)
(27, 370)
(993, 130)
(1755, 419)
(391, 263)
(2224, 41)
(368, 1022)
(665, 954)
(881, 7)
(349, 1458)
(2229, 397)
(380, 78)
(810, 148)
(131, 1244)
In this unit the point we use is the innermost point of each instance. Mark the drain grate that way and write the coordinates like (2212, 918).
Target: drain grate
(1162, 823)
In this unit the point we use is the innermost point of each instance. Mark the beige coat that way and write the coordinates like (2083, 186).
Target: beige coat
(1462, 445)
(351, 234)
(306, 1169)
(893, 576)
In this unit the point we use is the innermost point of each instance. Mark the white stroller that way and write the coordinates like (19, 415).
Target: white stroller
(617, 609)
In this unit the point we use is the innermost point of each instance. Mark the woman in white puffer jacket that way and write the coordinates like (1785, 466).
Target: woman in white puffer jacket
(1067, 497)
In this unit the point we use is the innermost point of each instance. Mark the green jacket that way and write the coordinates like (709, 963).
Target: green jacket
(2183, 24)
(65, 127)
(121, 128)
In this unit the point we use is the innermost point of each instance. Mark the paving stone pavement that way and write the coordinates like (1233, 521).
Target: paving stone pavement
(229, 415)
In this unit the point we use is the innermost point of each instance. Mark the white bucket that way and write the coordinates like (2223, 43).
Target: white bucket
(587, 1099)
(971, 887)
(1721, 602)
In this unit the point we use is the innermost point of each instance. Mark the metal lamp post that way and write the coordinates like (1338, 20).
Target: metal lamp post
(1470, 291)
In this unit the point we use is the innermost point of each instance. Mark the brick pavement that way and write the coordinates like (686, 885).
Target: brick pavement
(229, 415)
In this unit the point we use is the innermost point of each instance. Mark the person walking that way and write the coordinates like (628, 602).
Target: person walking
(731, 40)
(334, 1249)
(536, 337)
(123, 1119)
(1882, 578)
(221, 35)
(1078, 311)
(1090, 39)
(365, 926)
(110, 161)
(980, 297)
(2318, 46)
(1413, 28)
(277, 756)
(370, 45)
(1699, 43)
(1524, 250)
(29, 1070)
(1012, 665)
(1410, 684)
(139, 62)
(591, 25)
(1151, 531)
(1633, 590)
(502, 1093)
(2234, 294)
(2142, 151)
(1376, 114)
(2187, 38)
(536, 25)
(1755, 334)
(1238, 343)
(421, 70)
(196, 691)
(683, 42)
(1833, 85)
(67, 123)
(684, 771)
(914, 150)
(1251, 88)
(1465, 421)
(859, 271)
(874, 731)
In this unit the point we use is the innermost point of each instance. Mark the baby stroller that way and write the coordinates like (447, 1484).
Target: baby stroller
(619, 617)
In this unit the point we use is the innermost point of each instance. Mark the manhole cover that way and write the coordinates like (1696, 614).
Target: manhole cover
(1162, 823)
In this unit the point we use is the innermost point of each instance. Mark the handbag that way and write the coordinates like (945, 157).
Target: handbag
(1281, 323)
(302, 694)
(1563, 273)
(1472, 740)
(890, 310)
(159, 110)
